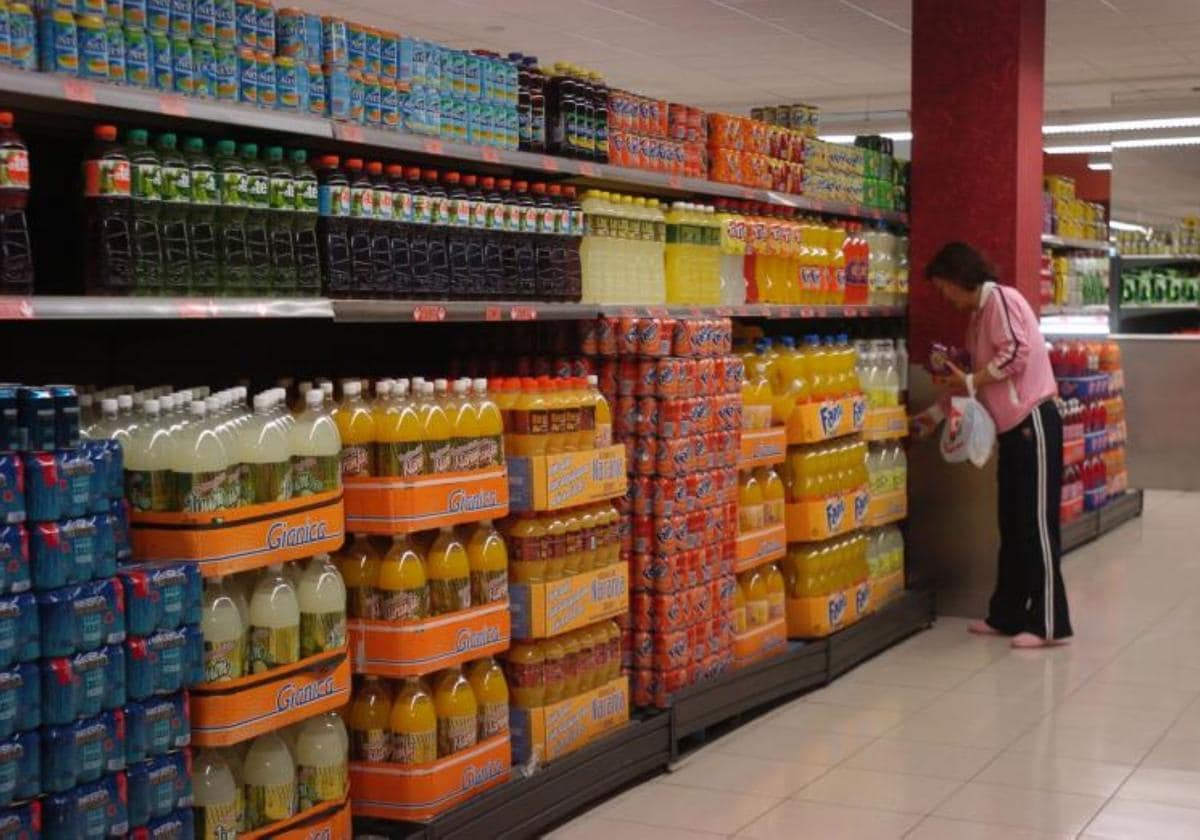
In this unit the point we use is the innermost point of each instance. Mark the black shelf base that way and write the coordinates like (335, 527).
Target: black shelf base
(910, 613)
(1094, 524)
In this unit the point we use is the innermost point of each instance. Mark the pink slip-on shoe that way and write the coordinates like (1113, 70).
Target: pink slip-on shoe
(981, 628)
(1028, 641)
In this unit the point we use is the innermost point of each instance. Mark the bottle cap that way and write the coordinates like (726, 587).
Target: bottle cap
(105, 132)
(151, 407)
(274, 154)
(197, 408)
(328, 160)
(394, 170)
(354, 164)
(352, 388)
(225, 147)
(298, 156)
(124, 401)
(137, 135)
(108, 405)
(6, 119)
(249, 150)
(314, 398)
(375, 167)
(383, 388)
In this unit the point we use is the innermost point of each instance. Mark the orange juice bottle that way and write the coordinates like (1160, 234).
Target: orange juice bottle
(504, 395)
(754, 590)
(449, 573)
(572, 543)
(585, 437)
(558, 400)
(555, 547)
(403, 585)
(612, 522)
(531, 419)
(738, 614)
(527, 539)
(491, 427)
(414, 725)
(775, 591)
(586, 659)
(491, 694)
(457, 712)
(772, 494)
(571, 663)
(488, 559)
(525, 667)
(750, 503)
(603, 436)
(553, 655)
(599, 640)
(587, 536)
(615, 649)
(369, 713)
(399, 442)
(356, 427)
(464, 420)
(436, 431)
(358, 561)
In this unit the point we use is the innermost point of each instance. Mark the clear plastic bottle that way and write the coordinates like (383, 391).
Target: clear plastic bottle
(269, 775)
(307, 212)
(333, 226)
(274, 622)
(175, 190)
(233, 201)
(281, 222)
(258, 209)
(16, 253)
(322, 598)
(108, 245)
(202, 230)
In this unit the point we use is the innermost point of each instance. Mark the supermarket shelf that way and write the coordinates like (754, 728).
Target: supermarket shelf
(528, 806)
(1075, 243)
(1146, 310)
(759, 310)
(84, 308)
(57, 95)
(1093, 524)
(434, 311)
(1158, 259)
(910, 613)
(1064, 309)
(800, 668)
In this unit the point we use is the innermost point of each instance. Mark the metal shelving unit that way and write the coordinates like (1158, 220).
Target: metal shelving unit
(1072, 242)
(1094, 524)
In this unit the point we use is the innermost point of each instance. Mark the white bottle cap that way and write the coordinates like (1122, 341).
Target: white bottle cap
(383, 388)
(108, 405)
(352, 388)
(314, 398)
(279, 395)
(401, 384)
(440, 385)
(460, 387)
(124, 401)
(197, 408)
(262, 402)
(151, 407)
(427, 388)
(212, 405)
(480, 385)
(166, 403)
(239, 393)
(593, 380)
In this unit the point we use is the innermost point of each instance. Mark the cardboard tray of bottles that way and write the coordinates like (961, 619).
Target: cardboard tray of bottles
(422, 791)
(817, 422)
(391, 649)
(567, 479)
(886, 508)
(226, 713)
(760, 642)
(885, 423)
(819, 519)
(550, 732)
(816, 616)
(883, 589)
(546, 609)
(383, 505)
(760, 546)
(326, 820)
(235, 540)
(762, 447)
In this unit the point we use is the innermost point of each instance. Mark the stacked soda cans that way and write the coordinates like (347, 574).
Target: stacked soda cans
(676, 397)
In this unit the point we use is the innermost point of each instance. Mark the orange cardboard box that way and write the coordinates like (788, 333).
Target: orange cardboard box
(421, 792)
(815, 422)
(390, 649)
(887, 507)
(820, 519)
(884, 589)
(550, 732)
(378, 505)
(547, 609)
(761, 546)
(887, 423)
(227, 713)
(229, 541)
(761, 642)
(819, 615)
(553, 482)
(327, 821)
(763, 447)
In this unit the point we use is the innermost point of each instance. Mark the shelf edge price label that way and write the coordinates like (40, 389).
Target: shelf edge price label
(724, 311)
(16, 309)
(432, 146)
(492, 313)
(523, 313)
(674, 182)
(174, 106)
(588, 169)
(783, 312)
(850, 311)
(78, 90)
(549, 163)
(199, 308)
(429, 312)
(489, 154)
(807, 312)
(348, 131)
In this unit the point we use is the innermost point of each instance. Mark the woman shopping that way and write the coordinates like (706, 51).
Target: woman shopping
(1011, 376)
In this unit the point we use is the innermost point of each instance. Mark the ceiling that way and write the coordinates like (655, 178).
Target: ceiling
(1155, 186)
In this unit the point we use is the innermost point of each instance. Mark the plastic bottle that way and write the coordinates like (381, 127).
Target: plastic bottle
(402, 587)
(414, 726)
(263, 448)
(333, 226)
(232, 190)
(359, 563)
(492, 237)
(476, 236)
(149, 458)
(525, 241)
(269, 775)
(370, 711)
(257, 201)
(438, 233)
(314, 446)
(458, 224)
(322, 598)
(321, 771)
(361, 226)
(202, 232)
(108, 247)
(491, 696)
(436, 431)
(356, 428)
(449, 571)
(399, 228)
(274, 622)
(281, 223)
(524, 666)
(200, 466)
(16, 252)
(306, 209)
(457, 713)
(487, 557)
(145, 181)
(225, 634)
(380, 227)
(420, 225)
(216, 800)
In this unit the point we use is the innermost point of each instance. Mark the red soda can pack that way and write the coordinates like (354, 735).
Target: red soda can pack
(646, 383)
(735, 372)
(625, 415)
(643, 534)
(670, 495)
(607, 330)
(641, 495)
(641, 610)
(644, 573)
(672, 650)
(589, 343)
(672, 418)
(627, 376)
(654, 336)
(647, 415)
(646, 455)
(667, 372)
(607, 377)
(684, 338)
(687, 377)
(670, 611)
(643, 650)
(627, 336)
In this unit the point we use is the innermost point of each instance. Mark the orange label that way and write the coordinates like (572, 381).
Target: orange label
(887, 507)
(815, 422)
(819, 615)
(885, 423)
(820, 519)
(550, 732)
(388, 649)
(761, 642)
(547, 609)
(884, 589)
(376, 505)
(105, 177)
(553, 482)
(761, 546)
(762, 447)
(327, 821)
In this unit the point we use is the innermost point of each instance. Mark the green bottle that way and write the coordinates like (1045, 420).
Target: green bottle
(175, 192)
(232, 202)
(308, 255)
(145, 174)
(258, 207)
(204, 238)
(281, 195)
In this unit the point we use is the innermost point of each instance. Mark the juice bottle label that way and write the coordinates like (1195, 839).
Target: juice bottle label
(356, 460)
(370, 744)
(440, 208)
(491, 451)
(308, 196)
(14, 169)
(333, 200)
(493, 720)
(364, 602)
(558, 420)
(223, 660)
(313, 474)
(258, 191)
(269, 803)
(175, 183)
(232, 189)
(512, 218)
(529, 220)
(204, 186)
(281, 192)
(534, 422)
(440, 456)
(219, 820)
(455, 733)
(202, 492)
(604, 435)
(414, 747)
(401, 458)
(528, 556)
(495, 216)
(554, 674)
(270, 482)
(480, 214)
(148, 490)
(526, 680)
(422, 213)
(403, 206)
(385, 205)
(775, 605)
(464, 453)
(404, 604)
(145, 180)
(758, 612)
(106, 177)
(460, 212)
(449, 595)
(488, 586)
(320, 632)
(587, 421)
(362, 202)
(320, 784)
(271, 647)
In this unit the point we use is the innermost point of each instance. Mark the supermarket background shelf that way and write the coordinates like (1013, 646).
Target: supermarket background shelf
(1158, 259)
(1064, 309)
(911, 612)
(81, 307)
(1093, 524)
(1074, 242)
(1147, 309)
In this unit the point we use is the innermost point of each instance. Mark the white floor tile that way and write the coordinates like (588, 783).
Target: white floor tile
(885, 791)
(850, 720)
(787, 744)
(1173, 753)
(1056, 773)
(1117, 746)
(896, 698)
(673, 806)
(940, 828)
(1168, 787)
(602, 828)
(1129, 819)
(1040, 810)
(714, 770)
(795, 819)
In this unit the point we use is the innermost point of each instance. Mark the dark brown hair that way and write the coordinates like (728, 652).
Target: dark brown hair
(960, 264)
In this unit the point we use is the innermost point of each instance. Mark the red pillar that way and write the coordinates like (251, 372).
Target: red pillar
(977, 147)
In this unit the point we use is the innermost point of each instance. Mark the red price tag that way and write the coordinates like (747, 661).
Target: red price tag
(492, 313)
(783, 311)
(432, 146)
(807, 312)
(658, 311)
(523, 313)
(429, 313)
(674, 182)
(197, 308)
(724, 311)
(489, 154)
(588, 169)
(16, 309)
(348, 131)
(850, 311)
(549, 164)
(78, 90)
(176, 106)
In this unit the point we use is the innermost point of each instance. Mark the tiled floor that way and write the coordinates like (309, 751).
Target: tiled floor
(951, 736)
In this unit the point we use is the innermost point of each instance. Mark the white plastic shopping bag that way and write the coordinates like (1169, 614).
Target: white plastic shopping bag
(969, 433)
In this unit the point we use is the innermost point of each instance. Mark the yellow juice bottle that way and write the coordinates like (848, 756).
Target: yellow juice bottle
(587, 535)
(488, 559)
(504, 393)
(576, 397)
(585, 437)
(597, 636)
(553, 667)
(772, 494)
(400, 443)
(491, 426)
(356, 427)
(369, 713)
(525, 667)
(775, 591)
(603, 436)
(754, 590)
(526, 539)
(457, 712)
(571, 664)
(449, 573)
(837, 261)
(586, 659)
(414, 725)
(572, 543)
(491, 695)
(555, 549)
(612, 535)
(436, 431)
(558, 400)
(531, 419)
(359, 564)
(403, 582)
(615, 650)
(750, 503)
(738, 614)
(464, 420)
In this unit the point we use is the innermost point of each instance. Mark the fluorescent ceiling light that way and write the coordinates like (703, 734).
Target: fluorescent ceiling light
(1154, 142)
(1123, 125)
(1078, 150)
(849, 138)
(1100, 165)
(1116, 225)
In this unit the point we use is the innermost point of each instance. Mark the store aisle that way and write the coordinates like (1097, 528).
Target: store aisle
(951, 736)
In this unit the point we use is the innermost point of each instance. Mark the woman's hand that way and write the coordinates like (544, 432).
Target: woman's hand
(955, 381)
(922, 426)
